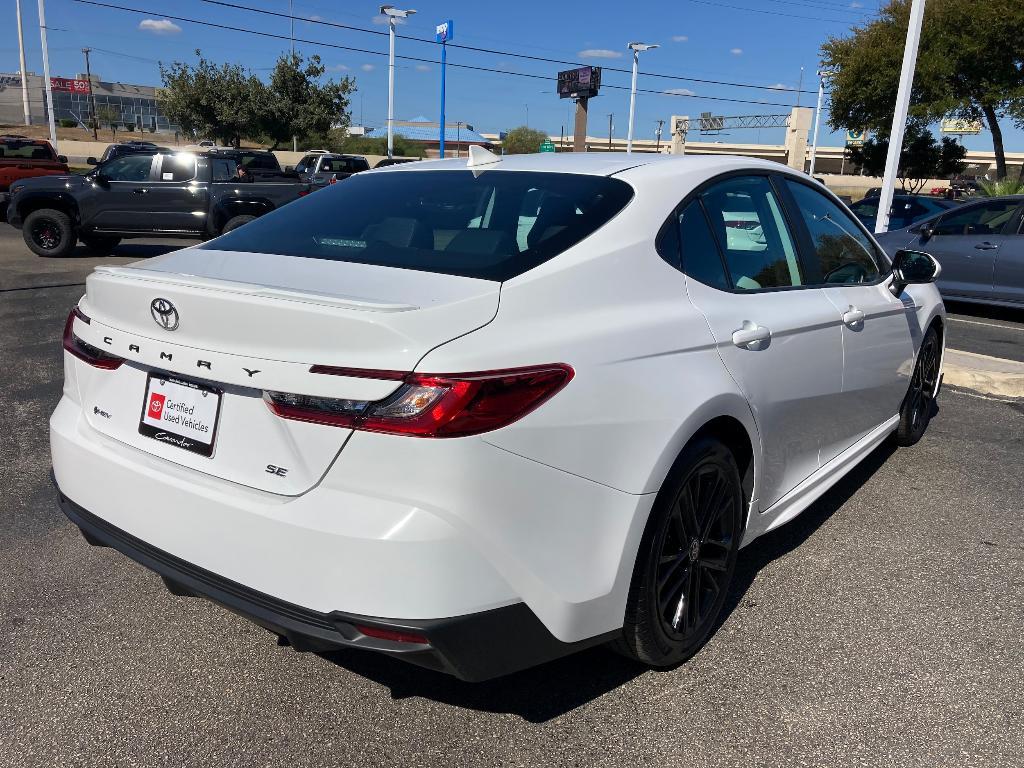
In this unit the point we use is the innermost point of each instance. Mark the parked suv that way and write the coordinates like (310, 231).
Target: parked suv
(321, 169)
(480, 415)
(114, 151)
(143, 194)
(23, 158)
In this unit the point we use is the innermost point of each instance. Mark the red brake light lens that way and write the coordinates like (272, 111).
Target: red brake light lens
(434, 405)
(87, 353)
(393, 634)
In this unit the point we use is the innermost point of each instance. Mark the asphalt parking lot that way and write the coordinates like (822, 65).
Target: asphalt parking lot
(881, 628)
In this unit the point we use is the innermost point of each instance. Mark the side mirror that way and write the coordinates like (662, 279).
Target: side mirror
(101, 180)
(913, 268)
(289, 168)
(926, 231)
(62, 159)
(91, 161)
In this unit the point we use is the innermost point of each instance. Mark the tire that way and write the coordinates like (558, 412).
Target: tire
(100, 244)
(235, 222)
(687, 558)
(48, 232)
(919, 403)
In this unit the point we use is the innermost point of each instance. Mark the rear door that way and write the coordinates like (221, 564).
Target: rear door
(780, 340)
(878, 351)
(121, 201)
(966, 242)
(177, 201)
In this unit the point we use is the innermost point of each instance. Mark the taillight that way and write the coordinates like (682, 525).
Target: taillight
(396, 636)
(433, 405)
(87, 353)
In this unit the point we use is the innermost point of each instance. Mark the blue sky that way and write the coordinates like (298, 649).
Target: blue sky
(759, 42)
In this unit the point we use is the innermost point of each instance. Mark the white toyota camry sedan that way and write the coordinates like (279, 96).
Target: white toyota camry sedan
(478, 415)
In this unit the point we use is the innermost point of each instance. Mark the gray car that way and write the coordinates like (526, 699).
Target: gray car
(322, 169)
(980, 246)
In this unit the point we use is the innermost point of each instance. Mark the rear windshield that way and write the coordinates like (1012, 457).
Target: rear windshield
(493, 226)
(25, 150)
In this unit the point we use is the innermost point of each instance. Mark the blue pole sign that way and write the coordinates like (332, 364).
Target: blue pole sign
(445, 32)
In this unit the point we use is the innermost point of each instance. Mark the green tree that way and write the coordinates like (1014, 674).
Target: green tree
(220, 102)
(110, 117)
(296, 103)
(523, 140)
(922, 157)
(970, 65)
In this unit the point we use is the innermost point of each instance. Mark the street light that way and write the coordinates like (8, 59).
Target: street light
(822, 74)
(636, 48)
(393, 14)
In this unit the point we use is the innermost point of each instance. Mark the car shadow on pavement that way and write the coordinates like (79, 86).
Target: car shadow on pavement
(130, 250)
(985, 311)
(553, 689)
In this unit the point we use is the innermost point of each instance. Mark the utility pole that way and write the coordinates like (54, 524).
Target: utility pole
(46, 74)
(92, 99)
(657, 136)
(611, 116)
(817, 118)
(636, 48)
(443, 33)
(393, 14)
(800, 87)
(24, 70)
(899, 118)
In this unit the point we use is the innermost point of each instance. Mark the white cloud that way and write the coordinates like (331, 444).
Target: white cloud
(679, 38)
(422, 68)
(855, 4)
(337, 68)
(314, 17)
(159, 26)
(781, 87)
(599, 53)
(367, 67)
(680, 92)
(736, 51)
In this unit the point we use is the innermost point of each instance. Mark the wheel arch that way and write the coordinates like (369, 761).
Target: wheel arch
(61, 203)
(225, 210)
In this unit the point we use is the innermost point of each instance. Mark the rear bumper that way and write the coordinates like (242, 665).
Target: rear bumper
(475, 647)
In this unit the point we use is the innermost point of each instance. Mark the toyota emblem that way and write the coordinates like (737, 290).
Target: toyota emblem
(164, 313)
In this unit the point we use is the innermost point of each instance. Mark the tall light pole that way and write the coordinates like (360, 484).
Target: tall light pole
(817, 117)
(444, 33)
(24, 69)
(899, 118)
(393, 14)
(46, 74)
(636, 48)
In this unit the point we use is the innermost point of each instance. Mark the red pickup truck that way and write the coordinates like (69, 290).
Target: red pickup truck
(22, 158)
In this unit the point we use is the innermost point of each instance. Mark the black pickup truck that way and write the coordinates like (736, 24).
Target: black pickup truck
(144, 195)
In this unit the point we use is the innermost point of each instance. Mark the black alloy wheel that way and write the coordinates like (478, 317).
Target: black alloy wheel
(919, 403)
(687, 558)
(48, 232)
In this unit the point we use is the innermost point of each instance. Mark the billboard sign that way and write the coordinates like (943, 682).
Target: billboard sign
(581, 83)
(445, 32)
(66, 84)
(962, 127)
(856, 137)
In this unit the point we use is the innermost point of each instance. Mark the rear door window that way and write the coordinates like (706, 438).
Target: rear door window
(223, 170)
(492, 225)
(178, 168)
(25, 150)
(746, 217)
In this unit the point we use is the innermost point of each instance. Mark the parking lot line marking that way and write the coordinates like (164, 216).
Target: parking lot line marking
(990, 325)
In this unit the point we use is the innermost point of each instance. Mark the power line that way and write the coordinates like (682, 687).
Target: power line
(546, 78)
(477, 49)
(770, 13)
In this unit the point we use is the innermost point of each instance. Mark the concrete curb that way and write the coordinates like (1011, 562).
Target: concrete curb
(981, 373)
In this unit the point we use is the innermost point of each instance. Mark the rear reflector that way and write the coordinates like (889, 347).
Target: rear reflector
(432, 405)
(87, 353)
(393, 634)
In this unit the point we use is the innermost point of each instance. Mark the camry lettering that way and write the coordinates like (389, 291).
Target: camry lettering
(250, 372)
(166, 355)
(204, 364)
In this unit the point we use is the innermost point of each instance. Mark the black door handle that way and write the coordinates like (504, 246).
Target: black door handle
(986, 246)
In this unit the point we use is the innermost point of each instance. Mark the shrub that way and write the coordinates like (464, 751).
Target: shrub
(66, 122)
